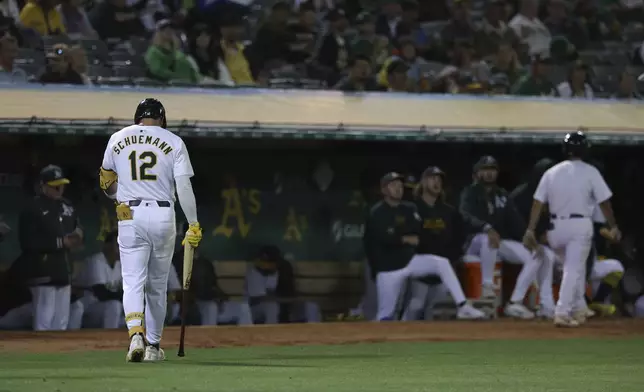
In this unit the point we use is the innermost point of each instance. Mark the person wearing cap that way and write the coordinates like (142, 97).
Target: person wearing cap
(441, 237)
(536, 83)
(165, 60)
(59, 69)
(492, 218)
(578, 83)
(48, 230)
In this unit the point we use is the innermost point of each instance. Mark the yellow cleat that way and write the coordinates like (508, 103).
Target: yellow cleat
(603, 310)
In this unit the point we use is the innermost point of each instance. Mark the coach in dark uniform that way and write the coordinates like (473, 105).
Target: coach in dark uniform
(48, 231)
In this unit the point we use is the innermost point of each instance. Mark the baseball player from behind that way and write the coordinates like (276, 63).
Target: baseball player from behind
(571, 189)
(141, 165)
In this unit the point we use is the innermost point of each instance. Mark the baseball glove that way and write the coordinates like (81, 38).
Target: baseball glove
(106, 178)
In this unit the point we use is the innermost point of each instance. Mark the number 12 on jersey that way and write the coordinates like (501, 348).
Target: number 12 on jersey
(140, 172)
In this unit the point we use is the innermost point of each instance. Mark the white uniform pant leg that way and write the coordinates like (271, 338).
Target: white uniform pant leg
(237, 312)
(266, 312)
(209, 311)
(544, 277)
(44, 304)
(390, 286)
(480, 246)
(574, 236)
(134, 248)
(162, 234)
(415, 309)
(76, 311)
(425, 265)
(515, 252)
(309, 311)
(18, 318)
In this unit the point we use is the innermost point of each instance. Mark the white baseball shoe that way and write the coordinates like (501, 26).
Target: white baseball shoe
(518, 311)
(582, 315)
(469, 312)
(488, 292)
(565, 322)
(546, 313)
(137, 349)
(153, 354)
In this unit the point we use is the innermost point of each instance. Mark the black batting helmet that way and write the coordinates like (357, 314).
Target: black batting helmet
(150, 108)
(486, 161)
(575, 144)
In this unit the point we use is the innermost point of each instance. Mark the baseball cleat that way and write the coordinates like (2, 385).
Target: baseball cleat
(581, 316)
(603, 310)
(488, 292)
(546, 313)
(153, 354)
(137, 349)
(469, 312)
(518, 311)
(566, 322)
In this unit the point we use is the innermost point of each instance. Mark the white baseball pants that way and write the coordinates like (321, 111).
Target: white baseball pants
(514, 252)
(146, 244)
(573, 239)
(226, 312)
(392, 285)
(50, 307)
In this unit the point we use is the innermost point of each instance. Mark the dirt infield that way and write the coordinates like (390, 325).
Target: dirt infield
(325, 333)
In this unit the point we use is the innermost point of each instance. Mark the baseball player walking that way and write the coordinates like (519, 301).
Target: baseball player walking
(141, 165)
(571, 189)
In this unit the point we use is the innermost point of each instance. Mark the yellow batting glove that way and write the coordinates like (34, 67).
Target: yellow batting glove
(193, 235)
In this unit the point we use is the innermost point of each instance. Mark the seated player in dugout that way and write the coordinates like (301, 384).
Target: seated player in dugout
(102, 286)
(497, 227)
(269, 288)
(391, 239)
(214, 305)
(441, 236)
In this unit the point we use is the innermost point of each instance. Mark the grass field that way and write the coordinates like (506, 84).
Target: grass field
(571, 365)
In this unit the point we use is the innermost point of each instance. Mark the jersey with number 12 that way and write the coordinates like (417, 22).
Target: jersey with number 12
(147, 159)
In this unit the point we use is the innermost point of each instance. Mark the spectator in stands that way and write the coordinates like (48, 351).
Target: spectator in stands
(460, 27)
(627, 88)
(273, 38)
(76, 20)
(578, 83)
(409, 25)
(536, 83)
(417, 64)
(506, 61)
(494, 30)
(529, 28)
(304, 35)
(78, 62)
(464, 59)
(360, 76)
(165, 60)
(367, 42)
(207, 55)
(498, 84)
(8, 53)
(397, 80)
(114, 19)
(559, 23)
(42, 16)
(387, 21)
(233, 51)
(59, 69)
(600, 27)
(334, 52)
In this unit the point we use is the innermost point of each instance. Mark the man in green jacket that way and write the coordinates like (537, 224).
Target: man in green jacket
(536, 83)
(165, 61)
(493, 218)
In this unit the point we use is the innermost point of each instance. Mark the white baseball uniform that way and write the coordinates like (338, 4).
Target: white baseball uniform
(258, 285)
(101, 314)
(148, 161)
(572, 189)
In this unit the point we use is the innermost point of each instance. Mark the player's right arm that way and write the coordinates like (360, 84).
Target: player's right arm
(107, 173)
(182, 173)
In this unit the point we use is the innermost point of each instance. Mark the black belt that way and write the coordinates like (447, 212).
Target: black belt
(571, 216)
(160, 203)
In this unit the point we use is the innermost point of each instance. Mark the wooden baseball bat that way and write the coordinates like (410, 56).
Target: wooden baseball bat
(188, 254)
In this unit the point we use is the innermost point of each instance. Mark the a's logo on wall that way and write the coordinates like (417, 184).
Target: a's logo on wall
(340, 231)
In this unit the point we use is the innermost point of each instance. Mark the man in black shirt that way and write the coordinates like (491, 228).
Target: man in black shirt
(441, 237)
(391, 238)
(48, 230)
(496, 224)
